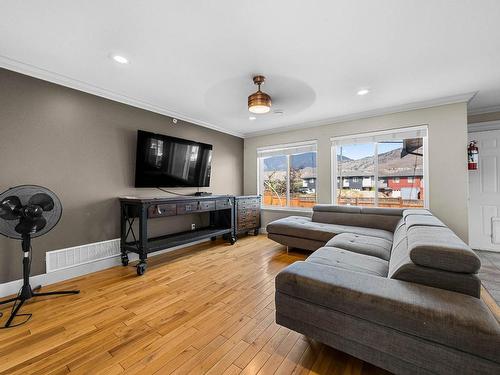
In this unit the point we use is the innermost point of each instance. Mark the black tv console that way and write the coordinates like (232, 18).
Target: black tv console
(220, 209)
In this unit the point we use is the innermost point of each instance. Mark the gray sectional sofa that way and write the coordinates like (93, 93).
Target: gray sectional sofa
(396, 288)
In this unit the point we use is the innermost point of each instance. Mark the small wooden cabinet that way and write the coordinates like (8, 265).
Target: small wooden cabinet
(247, 211)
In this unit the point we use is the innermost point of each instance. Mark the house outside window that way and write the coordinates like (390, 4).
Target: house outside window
(287, 175)
(390, 164)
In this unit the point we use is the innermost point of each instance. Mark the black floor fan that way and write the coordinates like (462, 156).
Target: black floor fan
(26, 212)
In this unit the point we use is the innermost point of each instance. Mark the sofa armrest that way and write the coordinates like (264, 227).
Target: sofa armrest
(438, 315)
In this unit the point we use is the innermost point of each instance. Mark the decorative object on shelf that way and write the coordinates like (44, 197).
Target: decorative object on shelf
(473, 155)
(26, 212)
(259, 102)
(247, 214)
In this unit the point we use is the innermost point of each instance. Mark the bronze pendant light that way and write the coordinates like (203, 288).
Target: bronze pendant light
(259, 102)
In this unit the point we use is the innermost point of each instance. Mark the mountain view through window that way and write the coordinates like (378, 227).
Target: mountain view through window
(383, 174)
(289, 180)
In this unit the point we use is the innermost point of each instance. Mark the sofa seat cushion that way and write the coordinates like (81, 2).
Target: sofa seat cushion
(358, 243)
(340, 258)
(303, 227)
(448, 318)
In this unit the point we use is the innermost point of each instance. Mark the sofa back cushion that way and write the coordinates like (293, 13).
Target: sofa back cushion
(423, 221)
(425, 251)
(402, 268)
(440, 248)
(378, 218)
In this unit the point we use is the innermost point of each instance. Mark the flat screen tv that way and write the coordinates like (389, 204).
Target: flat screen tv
(163, 161)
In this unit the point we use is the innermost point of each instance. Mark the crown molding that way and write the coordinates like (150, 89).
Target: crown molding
(460, 98)
(47, 75)
(481, 110)
(483, 126)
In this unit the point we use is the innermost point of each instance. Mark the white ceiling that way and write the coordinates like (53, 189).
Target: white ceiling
(194, 59)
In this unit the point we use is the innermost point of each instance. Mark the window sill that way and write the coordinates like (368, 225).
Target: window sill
(290, 209)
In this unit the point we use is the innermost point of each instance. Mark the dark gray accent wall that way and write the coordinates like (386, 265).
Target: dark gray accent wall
(83, 148)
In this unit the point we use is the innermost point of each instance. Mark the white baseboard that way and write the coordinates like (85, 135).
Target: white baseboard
(67, 273)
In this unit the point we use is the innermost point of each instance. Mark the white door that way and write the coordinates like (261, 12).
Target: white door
(484, 191)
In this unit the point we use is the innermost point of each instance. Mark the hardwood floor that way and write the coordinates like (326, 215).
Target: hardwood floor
(206, 310)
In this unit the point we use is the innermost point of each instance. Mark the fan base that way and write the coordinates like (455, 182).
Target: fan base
(27, 292)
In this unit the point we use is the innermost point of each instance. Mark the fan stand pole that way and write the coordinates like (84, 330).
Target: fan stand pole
(27, 292)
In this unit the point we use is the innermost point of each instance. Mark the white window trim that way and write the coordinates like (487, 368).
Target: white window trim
(334, 162)
(279, 147)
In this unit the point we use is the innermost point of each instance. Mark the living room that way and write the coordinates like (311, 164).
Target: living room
(250, 187)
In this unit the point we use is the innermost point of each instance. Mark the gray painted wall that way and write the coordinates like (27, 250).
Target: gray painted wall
(83, 148)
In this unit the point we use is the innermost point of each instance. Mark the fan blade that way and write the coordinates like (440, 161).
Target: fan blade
(43, 200)
(10, 208)
(30, 225)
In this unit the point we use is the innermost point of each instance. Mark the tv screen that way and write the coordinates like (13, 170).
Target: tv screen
(163, 161)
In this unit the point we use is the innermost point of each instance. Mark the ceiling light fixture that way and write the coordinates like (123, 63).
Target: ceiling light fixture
(363, 92)
(259, 102)
(120, 59)
(251, 118)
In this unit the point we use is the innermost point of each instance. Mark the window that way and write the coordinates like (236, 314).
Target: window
(384, 169)
(287, 175)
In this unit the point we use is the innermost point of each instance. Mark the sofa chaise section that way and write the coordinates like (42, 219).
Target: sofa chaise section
(328, 221)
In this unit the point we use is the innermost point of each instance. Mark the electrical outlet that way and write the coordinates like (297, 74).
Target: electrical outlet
(193, 226)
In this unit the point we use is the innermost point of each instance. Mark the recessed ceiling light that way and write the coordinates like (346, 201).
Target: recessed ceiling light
(120, 59)
(279, 112)
(251, 118)
(363, 92)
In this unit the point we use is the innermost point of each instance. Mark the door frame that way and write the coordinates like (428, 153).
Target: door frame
(480, 127)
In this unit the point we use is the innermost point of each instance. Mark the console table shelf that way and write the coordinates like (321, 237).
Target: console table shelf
(177, 239)
(220, 209)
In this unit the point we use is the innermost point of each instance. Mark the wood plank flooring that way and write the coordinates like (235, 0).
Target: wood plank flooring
(207, 309)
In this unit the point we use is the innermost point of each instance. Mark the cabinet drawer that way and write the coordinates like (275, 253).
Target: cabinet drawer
(223, 204)
(249, 203)
(187, 208)
(244, 212)
(206, 205)
(248, 219)
(161, 210)
(247, 225)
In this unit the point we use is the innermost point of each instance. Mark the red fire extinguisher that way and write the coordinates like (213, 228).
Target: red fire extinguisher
(473, 153)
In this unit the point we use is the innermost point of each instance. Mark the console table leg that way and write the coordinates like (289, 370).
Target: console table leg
(123, 234)
(143, 241)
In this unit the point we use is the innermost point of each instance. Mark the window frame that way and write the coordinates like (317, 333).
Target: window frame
(285, 146)
(334, 161)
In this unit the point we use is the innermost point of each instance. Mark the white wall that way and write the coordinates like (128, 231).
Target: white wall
(448, 176)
